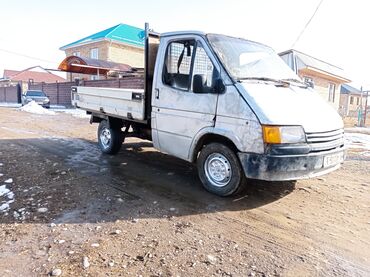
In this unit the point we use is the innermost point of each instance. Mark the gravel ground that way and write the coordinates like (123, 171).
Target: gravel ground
(67, 210)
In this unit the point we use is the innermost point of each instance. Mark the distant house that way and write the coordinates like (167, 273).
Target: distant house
(120, 44)
(350, 100)
(36, 74)
(326, 78)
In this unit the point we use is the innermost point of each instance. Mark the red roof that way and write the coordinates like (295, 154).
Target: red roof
(28, 74)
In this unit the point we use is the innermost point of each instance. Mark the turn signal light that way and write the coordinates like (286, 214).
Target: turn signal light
(271, 134)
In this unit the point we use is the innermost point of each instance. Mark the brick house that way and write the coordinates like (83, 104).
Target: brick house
(36, 74)
(350, 100)
(120, 44)
(326, 78)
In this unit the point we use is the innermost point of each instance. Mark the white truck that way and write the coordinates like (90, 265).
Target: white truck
(230, 105)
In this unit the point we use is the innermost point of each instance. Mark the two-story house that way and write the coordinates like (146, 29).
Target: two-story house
(120, 44)
(325, 77)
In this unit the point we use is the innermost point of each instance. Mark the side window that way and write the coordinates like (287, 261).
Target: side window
(204, 73)
(94, 53)
(331, 92)
(177, 66)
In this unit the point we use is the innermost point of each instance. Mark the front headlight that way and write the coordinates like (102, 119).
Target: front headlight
(283, 134)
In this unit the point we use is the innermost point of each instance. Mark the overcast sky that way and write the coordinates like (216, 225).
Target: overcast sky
(33, 30)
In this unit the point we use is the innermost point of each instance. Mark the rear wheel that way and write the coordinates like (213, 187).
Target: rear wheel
(109, 139)
(219, 170)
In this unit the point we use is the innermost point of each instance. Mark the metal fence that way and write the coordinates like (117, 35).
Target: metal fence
(11, 94)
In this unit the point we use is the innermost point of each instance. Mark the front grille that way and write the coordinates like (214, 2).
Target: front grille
(325, 141)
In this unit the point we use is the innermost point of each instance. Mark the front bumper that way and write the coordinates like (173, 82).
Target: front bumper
(41, 103)
(290, 167)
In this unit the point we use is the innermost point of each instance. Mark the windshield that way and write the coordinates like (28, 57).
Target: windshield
(245, 59)
(35, 93)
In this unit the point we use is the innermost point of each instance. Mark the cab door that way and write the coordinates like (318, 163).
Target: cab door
(182, 107)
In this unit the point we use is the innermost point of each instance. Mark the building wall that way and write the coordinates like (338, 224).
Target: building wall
(321, 85)
(10, 83)
(344, 105)
(126, 54)
(348, 109)
(85, 50)
(108, 51)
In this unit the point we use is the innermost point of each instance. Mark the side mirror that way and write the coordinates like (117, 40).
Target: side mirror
(219, 86)
(199, 81)
(200, 85)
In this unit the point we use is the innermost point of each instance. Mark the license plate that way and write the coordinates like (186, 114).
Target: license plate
(333, 159)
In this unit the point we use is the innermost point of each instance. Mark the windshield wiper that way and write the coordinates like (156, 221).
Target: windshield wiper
(283, 83)
(303, 85)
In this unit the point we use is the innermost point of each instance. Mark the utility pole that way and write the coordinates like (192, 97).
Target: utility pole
(365, 113)
(359, 115)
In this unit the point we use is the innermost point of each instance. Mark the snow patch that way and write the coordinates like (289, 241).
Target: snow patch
(6, 198)
(358, 141)
(75, 112)
(35, 108)
(8, 181)
(10, 105)
(42, 210)
(361, 130)
(3, 190)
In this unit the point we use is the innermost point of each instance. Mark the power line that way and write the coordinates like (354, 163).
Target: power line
(26, 56)
(308, 23)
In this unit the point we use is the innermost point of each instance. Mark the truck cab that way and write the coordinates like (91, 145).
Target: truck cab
(236, 108)
(230, 105)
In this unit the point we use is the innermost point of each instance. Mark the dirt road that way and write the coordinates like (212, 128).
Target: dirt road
(66, 207)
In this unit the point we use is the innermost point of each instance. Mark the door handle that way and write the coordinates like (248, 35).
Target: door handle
(157, 93)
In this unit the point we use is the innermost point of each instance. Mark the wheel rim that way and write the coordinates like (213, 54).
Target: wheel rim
(105, 138)
(218, 169)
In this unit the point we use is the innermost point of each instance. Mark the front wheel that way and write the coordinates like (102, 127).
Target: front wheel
(109, 139)
(219, 170)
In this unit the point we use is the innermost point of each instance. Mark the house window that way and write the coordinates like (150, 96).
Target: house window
(331, 92)
(351, 100)
(94, 77)
(77, 54)
(94, 53)
(358, 100)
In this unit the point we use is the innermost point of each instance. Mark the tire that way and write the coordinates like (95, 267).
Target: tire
(109, 139)
(220, 170)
